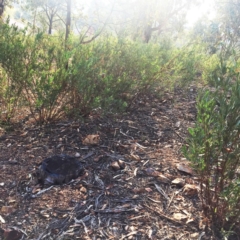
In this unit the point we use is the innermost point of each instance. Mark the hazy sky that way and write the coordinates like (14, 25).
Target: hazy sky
(205, 9)
(194, 14)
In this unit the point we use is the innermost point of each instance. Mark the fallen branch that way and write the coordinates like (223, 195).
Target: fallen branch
(41, 192)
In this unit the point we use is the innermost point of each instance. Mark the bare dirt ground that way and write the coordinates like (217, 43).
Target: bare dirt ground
(149, 194)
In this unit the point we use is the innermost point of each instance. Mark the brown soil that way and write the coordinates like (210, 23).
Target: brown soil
(133, 199)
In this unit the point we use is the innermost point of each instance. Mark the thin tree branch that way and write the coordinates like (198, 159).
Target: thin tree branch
(60, 18)
(101, 30)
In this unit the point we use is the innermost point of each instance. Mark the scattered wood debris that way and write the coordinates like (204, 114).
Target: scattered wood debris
(132, 187)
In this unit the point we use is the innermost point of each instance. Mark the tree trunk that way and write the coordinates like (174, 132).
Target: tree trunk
(68, 20)
(147, 33)
(1, 7)
(50, 25)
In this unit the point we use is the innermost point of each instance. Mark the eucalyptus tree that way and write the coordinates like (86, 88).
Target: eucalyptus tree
(141, 18)
(55, 14)
(45, 14)
(68, 18)
(51, 9)
(223, 32)
(4, 4)
(228, 17)
(94, 19)
(160, 16)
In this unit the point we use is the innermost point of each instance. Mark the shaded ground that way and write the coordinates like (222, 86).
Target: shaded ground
(133, 201)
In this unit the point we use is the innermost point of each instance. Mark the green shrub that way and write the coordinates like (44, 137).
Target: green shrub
(210, 65)
(188, 64)
(110, 72)
(12, 50)
(185, 66)
(53, 79)
(213, 148)
(35, 73)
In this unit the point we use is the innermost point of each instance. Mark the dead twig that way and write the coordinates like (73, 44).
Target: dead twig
(163, 215)
(128, 235)
(172, 197)
(41, 192)
(96, 201)
(154, 200)
(115, 210)
(87, 156)
(126, 135)
(161, 191)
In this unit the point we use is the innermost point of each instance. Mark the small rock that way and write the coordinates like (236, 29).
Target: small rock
(184, 168)
(77, 154)
(163, 178)
(2, 219)
(194, 236)
(177, 124)
(121, 163)
(190, 190)
(179, 216)
(83, 190)
(115, 165)
(179, 181)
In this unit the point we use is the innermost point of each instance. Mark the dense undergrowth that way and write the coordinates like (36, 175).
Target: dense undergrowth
(213, 147)
(52, 79)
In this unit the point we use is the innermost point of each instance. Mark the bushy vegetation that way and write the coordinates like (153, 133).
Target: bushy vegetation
(213, 146)
(52, 79)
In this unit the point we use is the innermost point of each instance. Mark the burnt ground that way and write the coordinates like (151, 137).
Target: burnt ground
(135, 199)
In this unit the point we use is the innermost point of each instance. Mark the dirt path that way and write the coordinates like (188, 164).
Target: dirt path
(133, 200)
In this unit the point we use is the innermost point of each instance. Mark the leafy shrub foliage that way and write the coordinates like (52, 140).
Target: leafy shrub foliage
(34, 73)
(39, 73)
(188, 63)
(53, 79)
(213, 148)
